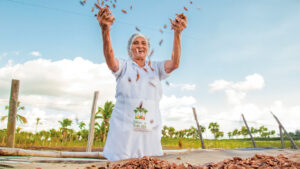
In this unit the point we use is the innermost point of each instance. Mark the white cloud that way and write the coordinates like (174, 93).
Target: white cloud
(76, 78)
(177, 111)
(64, 88)
(35, 53)
(229, 118)
(183, 87)
(237, 91)
(219, 85)
(252, 82)
(256, 114)
(53, 90)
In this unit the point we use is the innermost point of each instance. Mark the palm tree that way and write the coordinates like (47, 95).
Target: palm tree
(18, 130)
(193, 132)
(254, 131)
(81, 125)
(244, 131)
(171, 131)
(229, 134)
(20, 118)
(181, 133)
(64, 127)
(263, 131)
(215, 130)
(37, 123)
(164, 131)
(189, 132)
(98, 131)
(235, 132)
(105, 114)
(54, 135)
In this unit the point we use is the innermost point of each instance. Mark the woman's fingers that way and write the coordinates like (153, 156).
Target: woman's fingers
(175, 26)
(104, 11)
(110, 19)
(104, 17)
(183, 23)
(107, 20)
(172, 22)
(179, 23)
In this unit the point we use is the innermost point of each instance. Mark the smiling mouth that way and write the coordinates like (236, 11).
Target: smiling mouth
(141, 51)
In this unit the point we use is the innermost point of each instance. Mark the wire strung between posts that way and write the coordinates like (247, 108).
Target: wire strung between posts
(85, 15)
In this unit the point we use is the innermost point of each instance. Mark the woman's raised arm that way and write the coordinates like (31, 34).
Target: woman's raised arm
(105, 20)
(178, 26)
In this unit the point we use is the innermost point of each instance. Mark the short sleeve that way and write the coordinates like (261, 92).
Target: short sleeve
(161, 70)
(118, 73)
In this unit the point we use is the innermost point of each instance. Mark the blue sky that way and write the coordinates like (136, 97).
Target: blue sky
(227, 40)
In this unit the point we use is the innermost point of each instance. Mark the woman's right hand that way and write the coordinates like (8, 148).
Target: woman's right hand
(105, 18)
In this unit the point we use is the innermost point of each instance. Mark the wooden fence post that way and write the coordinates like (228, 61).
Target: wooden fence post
(291, 139)
(11, 120)
(253, 142)
(92, 123)
(281, 137)
(199, 128)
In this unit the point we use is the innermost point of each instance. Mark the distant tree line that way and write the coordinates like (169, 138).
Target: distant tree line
(66, 134)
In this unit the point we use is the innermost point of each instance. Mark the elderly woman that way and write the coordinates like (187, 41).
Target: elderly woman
(135, 124)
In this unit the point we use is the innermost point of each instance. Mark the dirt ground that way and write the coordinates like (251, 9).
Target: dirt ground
(195, 157)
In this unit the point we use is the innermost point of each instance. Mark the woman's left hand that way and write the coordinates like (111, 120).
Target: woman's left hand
(179, 24)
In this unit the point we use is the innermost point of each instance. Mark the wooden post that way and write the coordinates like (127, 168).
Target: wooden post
(253, 142)
(13, 103)
(92, 123)
(199, 128)
(281, 137)
(291, 139)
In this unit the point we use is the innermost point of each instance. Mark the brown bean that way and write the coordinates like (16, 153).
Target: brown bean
(160, 42)
(137, 76)
(151, 53)
(82, 3)
(97, 6)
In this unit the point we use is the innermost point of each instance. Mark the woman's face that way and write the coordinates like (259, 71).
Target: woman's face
(139, 48)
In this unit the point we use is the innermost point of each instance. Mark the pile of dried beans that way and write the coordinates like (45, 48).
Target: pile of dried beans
(257, 161)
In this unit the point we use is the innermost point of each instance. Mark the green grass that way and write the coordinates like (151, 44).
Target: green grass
(172, 143)
(167, 143)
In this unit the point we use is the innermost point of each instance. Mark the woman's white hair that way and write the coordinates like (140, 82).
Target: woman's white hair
(131, 40)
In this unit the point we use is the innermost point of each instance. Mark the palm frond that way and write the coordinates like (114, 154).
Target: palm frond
(21, 119)
(3, 118)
